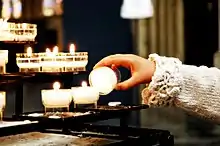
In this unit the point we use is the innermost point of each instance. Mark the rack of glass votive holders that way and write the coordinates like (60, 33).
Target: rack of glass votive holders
(52, 62)
(10, 31)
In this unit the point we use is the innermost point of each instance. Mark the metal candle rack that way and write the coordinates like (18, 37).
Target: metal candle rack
(76, 125)
(73, 124)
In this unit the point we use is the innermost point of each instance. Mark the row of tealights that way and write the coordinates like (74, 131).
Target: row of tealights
(102, 81)
(52, 61)
(17, 31)
(61, 98)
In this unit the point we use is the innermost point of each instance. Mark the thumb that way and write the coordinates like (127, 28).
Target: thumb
(127, 84)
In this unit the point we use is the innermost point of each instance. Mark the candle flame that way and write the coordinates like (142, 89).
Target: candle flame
(72, 49)
(29, 51)
(84, 84)
(24, 25)
(48, 50)
(55, 49)
(56, 85)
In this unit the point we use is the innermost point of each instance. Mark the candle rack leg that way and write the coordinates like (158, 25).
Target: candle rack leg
(45, 110)
(68, 109)
(74, 105)
(95, 104)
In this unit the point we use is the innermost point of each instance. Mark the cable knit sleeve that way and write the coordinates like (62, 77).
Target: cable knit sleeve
(194, 89)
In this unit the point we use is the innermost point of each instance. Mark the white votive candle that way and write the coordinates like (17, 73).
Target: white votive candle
(2, 103)
(104, 79)
(56, 98)
(85, 94)
(2, 100)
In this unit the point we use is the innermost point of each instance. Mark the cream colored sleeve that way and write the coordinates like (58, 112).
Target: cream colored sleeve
(194, 89)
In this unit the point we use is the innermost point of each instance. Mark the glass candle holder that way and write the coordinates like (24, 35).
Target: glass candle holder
(18, 31)
(4, 53)
(51, 62)
(76, 61)
(28, 63)
(2, 103)
(104, 79)
(3, 61)
(54, 99)
(85, 95)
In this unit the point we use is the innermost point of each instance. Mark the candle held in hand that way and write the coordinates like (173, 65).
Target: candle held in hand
(104, 79)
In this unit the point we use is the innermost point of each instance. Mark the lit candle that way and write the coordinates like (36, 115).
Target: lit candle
(56, 98)
(85, 94)
(72, 49)
(2, 103)
(48, 51)
(29, 53)
(55, 50)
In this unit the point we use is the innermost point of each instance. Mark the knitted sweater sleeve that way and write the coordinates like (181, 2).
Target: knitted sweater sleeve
(194, 89)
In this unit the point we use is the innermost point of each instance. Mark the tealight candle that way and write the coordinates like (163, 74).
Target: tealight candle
(104, 79)
(56, 98)
(2, 103)
(49, 62)
(85, 94)
(3, 60)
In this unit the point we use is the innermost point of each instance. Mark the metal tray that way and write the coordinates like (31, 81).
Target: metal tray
(60, 117)
(119, 108)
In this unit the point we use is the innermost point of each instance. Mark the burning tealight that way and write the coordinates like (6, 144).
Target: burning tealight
(104, 79)
(2, 103)
(52, 62)
(3, 61)
(114, 103)
(56, 98)
(85, 94)
(55, 50)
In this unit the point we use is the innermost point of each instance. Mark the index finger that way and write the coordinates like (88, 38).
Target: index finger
(116, 60)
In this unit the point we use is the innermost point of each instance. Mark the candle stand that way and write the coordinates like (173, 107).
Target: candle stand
(76, 124)
(59, 62)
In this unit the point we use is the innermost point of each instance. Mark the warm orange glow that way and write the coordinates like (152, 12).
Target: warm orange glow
(29, 51)
(56, 85)
(55, 49)
(84, 84)
(72, 49)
